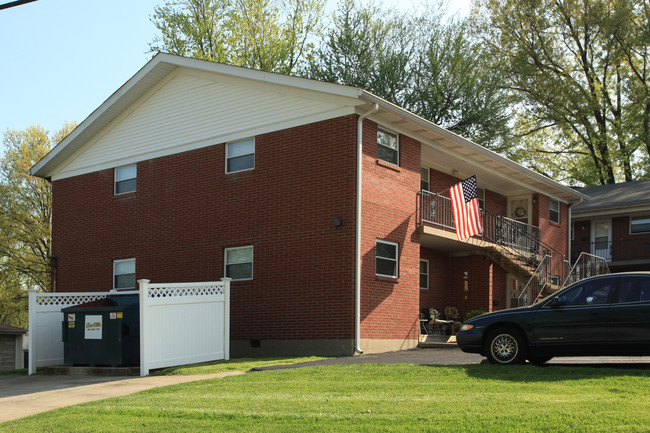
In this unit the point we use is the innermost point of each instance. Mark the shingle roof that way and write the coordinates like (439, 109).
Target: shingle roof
(615, 196)
(7, 329)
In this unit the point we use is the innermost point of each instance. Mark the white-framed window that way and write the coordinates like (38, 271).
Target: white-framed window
(126, 179)
(555, 211)
(387, 146)
(124, 274)
(424, 179)
(640, 224)
(424, 274)
(240, 155)
(480, 193)
(386, 258)
(238, 263)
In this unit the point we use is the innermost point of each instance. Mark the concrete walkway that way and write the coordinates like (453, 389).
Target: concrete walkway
(22, 396)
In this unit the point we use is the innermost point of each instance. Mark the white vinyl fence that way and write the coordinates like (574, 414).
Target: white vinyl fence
(180, 323)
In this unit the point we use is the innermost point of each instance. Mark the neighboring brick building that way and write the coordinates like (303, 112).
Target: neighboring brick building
(194, 170)
(615, 224)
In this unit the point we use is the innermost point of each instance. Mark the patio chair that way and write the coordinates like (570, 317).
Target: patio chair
(452, 315)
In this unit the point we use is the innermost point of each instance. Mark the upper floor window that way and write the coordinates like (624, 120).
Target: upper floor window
(555, 211)
(124, 274)
(126, 178)
(640, 224)
(424, 179)
(386, 258)
(240, 155)
(239, 263)
(387, 146)
(480, 192)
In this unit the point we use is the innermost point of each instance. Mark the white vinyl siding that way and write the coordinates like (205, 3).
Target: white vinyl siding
(124, 274)
(189, 112)
(126, 179)
(239, 263)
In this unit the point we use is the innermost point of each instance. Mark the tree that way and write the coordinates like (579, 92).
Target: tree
(25, 213)
(269, 35)
(430, 66)
(579, 70)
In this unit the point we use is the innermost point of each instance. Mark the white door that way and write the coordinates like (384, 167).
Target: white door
(601, 239)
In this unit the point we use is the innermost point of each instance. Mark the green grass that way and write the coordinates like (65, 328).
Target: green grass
(375, 398)
(17, 372)
(239, 364)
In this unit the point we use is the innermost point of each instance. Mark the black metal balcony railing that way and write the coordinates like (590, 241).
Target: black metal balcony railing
(637, 248)
(436, 210)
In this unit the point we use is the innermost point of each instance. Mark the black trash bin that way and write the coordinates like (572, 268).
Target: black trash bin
(105, 332)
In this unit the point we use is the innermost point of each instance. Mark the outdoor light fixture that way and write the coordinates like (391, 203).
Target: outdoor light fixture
(337, 222)
(466, 281)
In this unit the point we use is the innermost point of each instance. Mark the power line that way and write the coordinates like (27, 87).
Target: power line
(15, 3)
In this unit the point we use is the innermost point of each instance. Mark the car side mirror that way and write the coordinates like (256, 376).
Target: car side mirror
(555, 302)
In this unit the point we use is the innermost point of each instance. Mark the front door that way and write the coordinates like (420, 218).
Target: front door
(602, 239)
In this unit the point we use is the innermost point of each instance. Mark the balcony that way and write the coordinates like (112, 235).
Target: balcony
(628, 251)
(436, 211)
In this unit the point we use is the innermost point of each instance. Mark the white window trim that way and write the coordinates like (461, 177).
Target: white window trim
(428, 273)
(115, 181)
(388, 131)
(227, 158)
(559, 218)
(630, 226)
(428, 176)
(115, 262)
(396, 258)
(225, 263)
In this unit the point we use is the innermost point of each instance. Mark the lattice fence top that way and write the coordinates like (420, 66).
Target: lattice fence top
(169, 292)
(67, 300)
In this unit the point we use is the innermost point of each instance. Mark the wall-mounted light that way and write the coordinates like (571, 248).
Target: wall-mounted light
(466, 281)
(337, 222)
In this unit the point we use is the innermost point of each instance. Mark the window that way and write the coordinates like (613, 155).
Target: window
(480, 192)
(640, 224)
(387, 147)
(240, 156)
(634, 289)
(424, 274)
(386, 259)
(589, 293)
(239, 263)
(125, 179)
(124, 274)
(555, 211)
(424, 179)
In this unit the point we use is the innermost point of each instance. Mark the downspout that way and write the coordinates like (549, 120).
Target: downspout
(357, 254)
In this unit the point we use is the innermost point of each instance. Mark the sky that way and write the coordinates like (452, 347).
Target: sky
(61, 59)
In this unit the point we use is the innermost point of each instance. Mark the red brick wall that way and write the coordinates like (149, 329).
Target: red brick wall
(480, 285)
(438, 294)
(390, 307)
(553, 234)
(186, 211)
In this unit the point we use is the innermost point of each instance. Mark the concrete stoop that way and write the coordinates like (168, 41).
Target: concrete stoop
(437, 341)
(65, 370)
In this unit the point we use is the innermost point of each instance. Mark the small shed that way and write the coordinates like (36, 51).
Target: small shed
(11, 347)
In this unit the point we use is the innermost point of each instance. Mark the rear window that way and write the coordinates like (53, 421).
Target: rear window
(634, 289)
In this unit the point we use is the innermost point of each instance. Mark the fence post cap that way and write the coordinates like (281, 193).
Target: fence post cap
(226, 279)
(143, 281)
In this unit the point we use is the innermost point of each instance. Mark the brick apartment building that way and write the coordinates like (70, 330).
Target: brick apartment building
(193, 170)
(614, 224)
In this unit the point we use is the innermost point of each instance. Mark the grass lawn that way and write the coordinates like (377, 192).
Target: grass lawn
(376, 398)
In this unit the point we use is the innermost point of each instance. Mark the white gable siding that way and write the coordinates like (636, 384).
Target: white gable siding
(188, 112)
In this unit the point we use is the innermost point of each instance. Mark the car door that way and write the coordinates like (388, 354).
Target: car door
(629, 316)
(575, 321)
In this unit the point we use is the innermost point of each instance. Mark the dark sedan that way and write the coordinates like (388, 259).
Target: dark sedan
(597, 316)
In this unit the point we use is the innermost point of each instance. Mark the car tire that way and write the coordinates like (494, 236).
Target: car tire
(539, 360)
(505, 346)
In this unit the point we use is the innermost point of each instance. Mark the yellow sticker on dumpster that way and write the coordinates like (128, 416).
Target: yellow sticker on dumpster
(70, 324)
(119, 314)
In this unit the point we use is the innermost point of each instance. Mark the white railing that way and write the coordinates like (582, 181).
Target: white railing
(587, 265)
(179, 323)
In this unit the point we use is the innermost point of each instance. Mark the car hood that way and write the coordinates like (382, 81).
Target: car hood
(501, 314)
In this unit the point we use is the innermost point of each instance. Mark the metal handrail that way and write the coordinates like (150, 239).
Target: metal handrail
(587, 265)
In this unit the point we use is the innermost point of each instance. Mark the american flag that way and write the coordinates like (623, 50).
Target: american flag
(467, 212)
